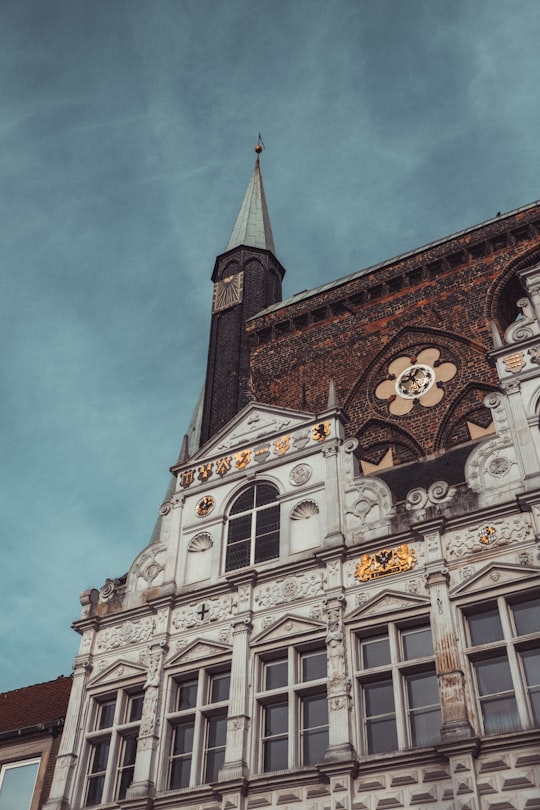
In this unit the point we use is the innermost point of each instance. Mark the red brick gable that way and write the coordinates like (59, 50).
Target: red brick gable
(32, 705)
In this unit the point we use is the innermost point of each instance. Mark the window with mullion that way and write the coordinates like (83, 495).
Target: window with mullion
(113, 747)
(253, 527)
(399, 689)
(294, 706)
(504, 639)
(198, 723)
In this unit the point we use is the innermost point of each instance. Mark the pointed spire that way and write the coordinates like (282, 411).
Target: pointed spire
(252, 227)
(332, 397)
(184, 451)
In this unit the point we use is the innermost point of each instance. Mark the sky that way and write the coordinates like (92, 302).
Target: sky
(126, 145)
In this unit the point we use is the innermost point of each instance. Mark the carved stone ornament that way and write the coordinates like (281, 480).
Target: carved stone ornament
(209, 610)
(201, 542)
(524, 328)
(514, 362)
(300, 474)
(384, 562)
(149, 565)
(293, 587)
(305, 510)
(205, 505)
(497, 533)
(125, 634)
(436, 496)
(371, 502)
(415, 378)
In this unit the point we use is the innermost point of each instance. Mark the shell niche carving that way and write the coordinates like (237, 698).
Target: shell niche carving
(201, 542)
(305, 510)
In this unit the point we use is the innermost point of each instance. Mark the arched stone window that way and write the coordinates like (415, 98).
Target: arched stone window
(253, 527)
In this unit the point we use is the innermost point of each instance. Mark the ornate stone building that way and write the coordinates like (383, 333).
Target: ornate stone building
(339, 608)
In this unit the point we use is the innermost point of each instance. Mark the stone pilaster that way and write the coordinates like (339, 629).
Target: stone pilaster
(339, 685)
(334, 530)
(455, 721)
(64, 774)
(143, 785)
(235, 764)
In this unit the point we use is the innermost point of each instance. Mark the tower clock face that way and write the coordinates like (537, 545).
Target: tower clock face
(228, 291)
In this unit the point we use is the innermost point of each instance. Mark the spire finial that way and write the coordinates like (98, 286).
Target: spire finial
(260, 146)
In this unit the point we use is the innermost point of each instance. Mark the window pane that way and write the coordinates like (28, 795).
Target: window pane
(315, 745)
(245, 502)
(268, 520)
(95, 790)
(183, 737)
(485, 626)
(237, 556)
(180, 770)
(126, 778)
(106, 714)
(267, 547)
(217, 731)
(276, 719)
(494, 675)
(266, 493)
(214, 761)
(220, 684)
(135, 707)
(187, 694)
(527, 616)
(239, 528)
(379, 698)
(423, 690)
(315, 711)
(531, 664)
(500, 714)
(276, 754)
(382, 735)
(313, 666)
(375, 652)
(100, 756)
(417, 643)
(276, 674)
(17, 785)
(425, 726)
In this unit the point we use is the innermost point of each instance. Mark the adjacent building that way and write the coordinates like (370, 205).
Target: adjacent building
(31, 724)
(340, 606)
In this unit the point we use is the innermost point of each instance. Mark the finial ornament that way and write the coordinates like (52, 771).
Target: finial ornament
(260, 145)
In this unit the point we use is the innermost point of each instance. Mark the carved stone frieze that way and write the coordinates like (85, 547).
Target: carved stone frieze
(476, 539)
(215, 609)
(125, 634)
(285, 590)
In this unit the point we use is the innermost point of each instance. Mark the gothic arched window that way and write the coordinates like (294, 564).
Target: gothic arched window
(253, 530)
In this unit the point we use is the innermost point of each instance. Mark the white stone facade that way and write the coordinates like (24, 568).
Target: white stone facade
(370, 654)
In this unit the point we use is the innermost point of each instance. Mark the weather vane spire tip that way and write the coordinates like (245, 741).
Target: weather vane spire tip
(260, 145)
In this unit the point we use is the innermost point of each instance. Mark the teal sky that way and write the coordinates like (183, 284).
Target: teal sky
(126, 144)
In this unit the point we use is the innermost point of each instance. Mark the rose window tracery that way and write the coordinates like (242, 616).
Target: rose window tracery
(415, 379)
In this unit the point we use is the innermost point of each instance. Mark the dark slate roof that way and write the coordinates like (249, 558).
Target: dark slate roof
(252, 227)
(32, 705)
(300, 296)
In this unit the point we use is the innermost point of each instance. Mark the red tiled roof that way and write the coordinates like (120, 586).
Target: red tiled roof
(31, 705)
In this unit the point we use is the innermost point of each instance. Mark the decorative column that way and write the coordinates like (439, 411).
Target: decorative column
(339, 685)
(334, 531)
(235, 767)
(143, 785)
(64, 774)
(455, 722)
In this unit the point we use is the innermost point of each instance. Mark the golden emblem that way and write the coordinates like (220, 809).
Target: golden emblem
(321, 431)
(186, 478)
(205, 506)
(242, 459)
(223, 465)
(205, 471)
(488, 535)
(386, 561)
(282, 445)
(514, 362)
